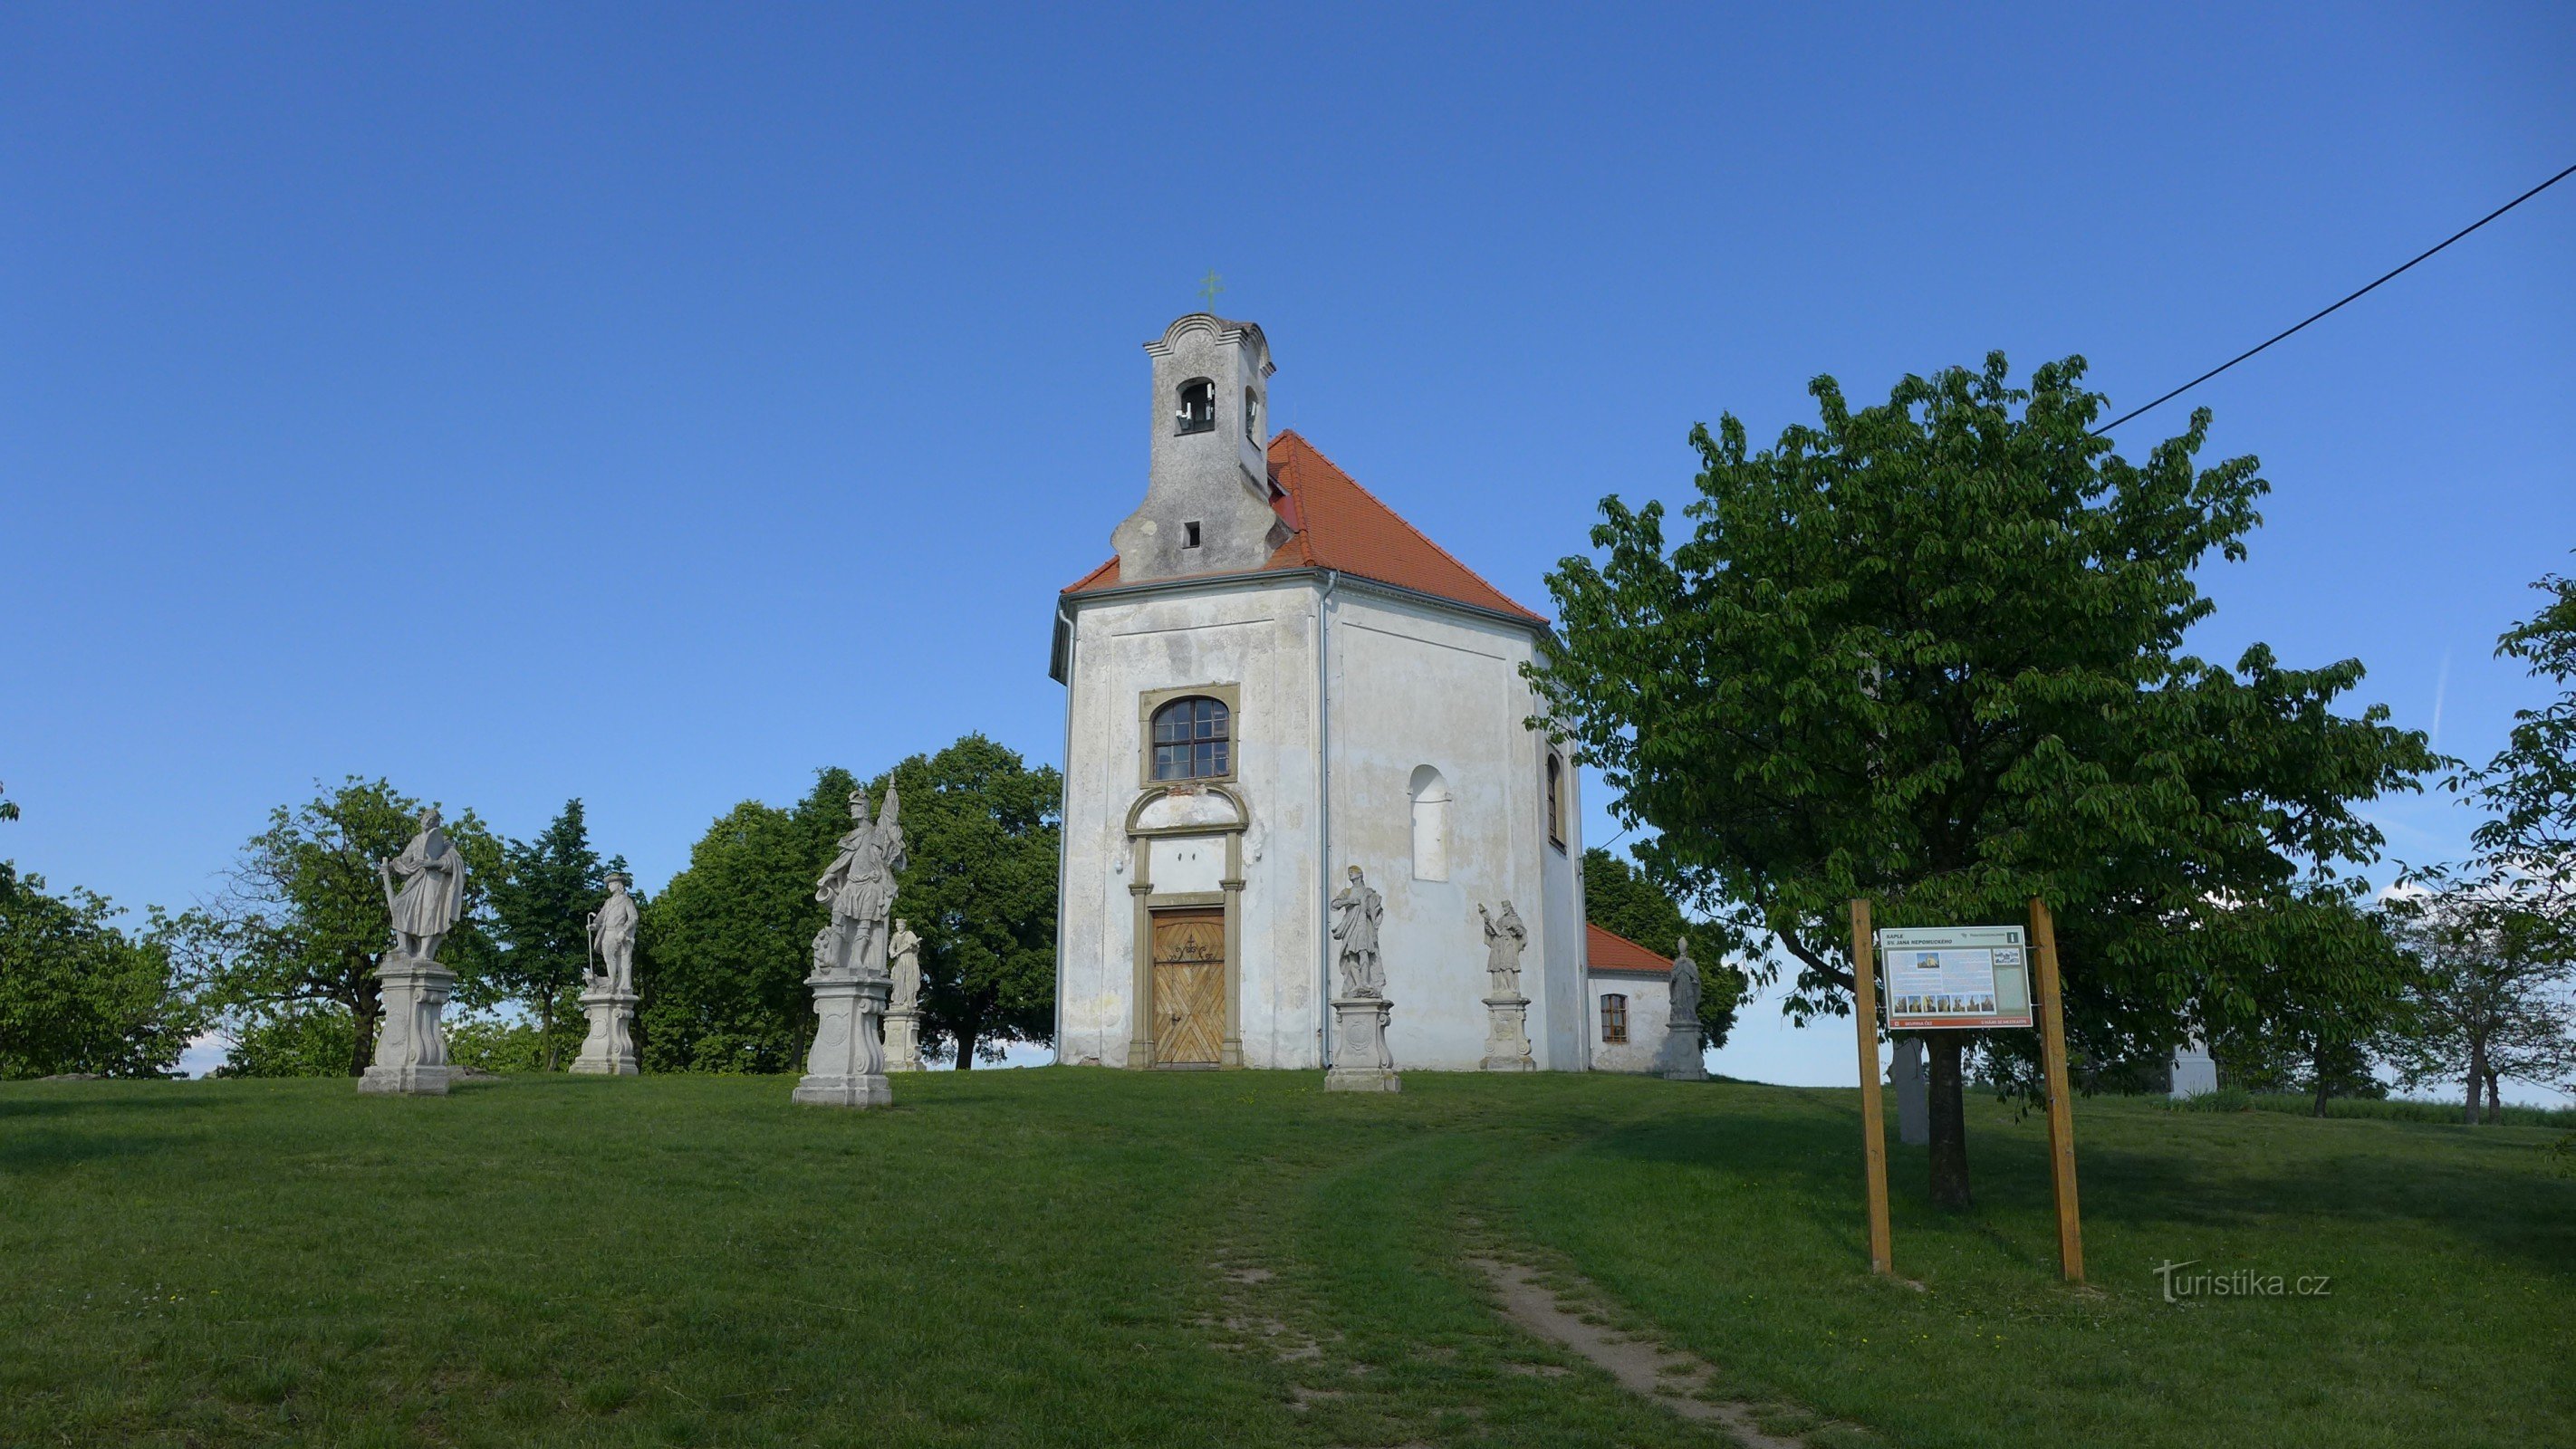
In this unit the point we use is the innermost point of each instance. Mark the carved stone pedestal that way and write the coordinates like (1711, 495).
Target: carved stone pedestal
(846, 1068)
(1507, 1047)
(903, 1040)
(1678, 1059)
(411, 1054)
(609, 1050)
(1360, 1059)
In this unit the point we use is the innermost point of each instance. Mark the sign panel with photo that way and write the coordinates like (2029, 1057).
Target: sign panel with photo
(1965, 977)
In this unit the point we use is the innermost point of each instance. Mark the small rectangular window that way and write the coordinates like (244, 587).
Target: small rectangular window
(1189, 535)
(1614, 1019)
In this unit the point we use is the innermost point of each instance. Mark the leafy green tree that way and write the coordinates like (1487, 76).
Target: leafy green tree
(1619, 898)
(2491, 1000)
(985, 832)
(79, 995)
(722, 953)
(541, 903)
(2530, 785)
(1930, 653)
(293, 941)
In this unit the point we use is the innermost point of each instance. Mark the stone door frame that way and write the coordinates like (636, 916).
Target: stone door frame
(1144, 902)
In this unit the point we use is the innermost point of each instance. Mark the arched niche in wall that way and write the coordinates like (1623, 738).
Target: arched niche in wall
(1431, 806)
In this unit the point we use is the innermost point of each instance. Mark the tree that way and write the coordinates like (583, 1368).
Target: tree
(986, 832)
(1619, 898)
(541, 902)
(78, 995)
(2530, 785)
(722, 953)
(1930, 653)
(290, 947)
(2491, 1000)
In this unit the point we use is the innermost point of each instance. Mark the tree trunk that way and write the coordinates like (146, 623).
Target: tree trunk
(2495, 1100)
(2317, 1063)
(965, 1048)
(2477, 1077)
(1947, 1101)
(546, 1028)
(368, 1006)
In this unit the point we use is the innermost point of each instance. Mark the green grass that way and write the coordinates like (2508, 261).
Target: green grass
(1082, 1257)
(2378, 1109)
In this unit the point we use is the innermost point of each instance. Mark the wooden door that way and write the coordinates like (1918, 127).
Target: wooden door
(1189, 987)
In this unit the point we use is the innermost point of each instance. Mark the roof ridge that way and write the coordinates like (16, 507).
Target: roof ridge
(1427, 541)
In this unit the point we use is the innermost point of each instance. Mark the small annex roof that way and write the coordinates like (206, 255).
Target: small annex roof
(1342, 526)
(1610, 951)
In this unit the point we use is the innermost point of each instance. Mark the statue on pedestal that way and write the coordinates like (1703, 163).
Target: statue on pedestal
(1682, 1061)
(411, 1053)
(609, 1050)
(903, 1017)
(1507, 1046)
(846, 1067)
(1361, 1062)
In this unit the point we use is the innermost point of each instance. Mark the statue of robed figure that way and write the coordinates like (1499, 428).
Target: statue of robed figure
(1356, 913)
(846, 1065)
(430, 899)
(1504, 938)
(1685, 1001)
(612, 935)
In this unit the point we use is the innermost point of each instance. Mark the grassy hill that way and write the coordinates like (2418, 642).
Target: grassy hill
(1082, 1257)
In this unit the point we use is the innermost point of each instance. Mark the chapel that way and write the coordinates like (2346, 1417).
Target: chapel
(1273, 679)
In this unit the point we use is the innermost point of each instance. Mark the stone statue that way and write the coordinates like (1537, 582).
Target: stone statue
(1504, 938)
(847, 1064)
(609, 1049)
(859, 885)
(1507, 1046)
(612, 935)
(1356, 913)
(906, 949)
(1685, 1007)
(1680, 1058)
(431, 898)
(411, 1051)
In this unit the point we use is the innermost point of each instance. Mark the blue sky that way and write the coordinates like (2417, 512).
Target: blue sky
(652, 405)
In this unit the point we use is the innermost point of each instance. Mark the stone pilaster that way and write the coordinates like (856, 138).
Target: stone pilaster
(1507, 1046)
(846, 1067)
(411, 1052)
(609, 1050)
(1361, 1062)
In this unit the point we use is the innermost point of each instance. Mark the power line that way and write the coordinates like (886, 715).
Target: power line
(2355, 297)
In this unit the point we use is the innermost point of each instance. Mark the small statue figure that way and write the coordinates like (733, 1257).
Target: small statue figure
(907, 968)
(432, 897)
(1357, 911)
(1685, 1002)
(1505, 936)
(612, 935)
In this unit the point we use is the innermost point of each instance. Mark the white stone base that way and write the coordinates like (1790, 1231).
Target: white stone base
(1361, 1062)
(903, 1041)
(1507, 1046)
(846, 1067)
(1680, 1060)
(411, 1051)
(609, 1051)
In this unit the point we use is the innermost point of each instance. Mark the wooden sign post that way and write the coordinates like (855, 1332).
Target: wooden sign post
(2061, 1113)
(1872, 1130)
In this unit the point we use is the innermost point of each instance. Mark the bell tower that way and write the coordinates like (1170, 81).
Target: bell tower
(1207, 481)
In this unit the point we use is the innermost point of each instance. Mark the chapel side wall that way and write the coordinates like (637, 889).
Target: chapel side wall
(1650, 1015)
(1415, 684)
(1258, 639)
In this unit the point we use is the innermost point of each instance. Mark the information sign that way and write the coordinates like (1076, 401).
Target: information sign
(1960, 977)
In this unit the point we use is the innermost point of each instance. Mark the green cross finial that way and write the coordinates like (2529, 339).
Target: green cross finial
(1209, 286)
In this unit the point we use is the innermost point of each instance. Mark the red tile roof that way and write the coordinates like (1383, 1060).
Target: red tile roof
(1342, 526)
(1610, 951)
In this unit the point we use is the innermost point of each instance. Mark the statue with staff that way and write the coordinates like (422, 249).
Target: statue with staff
(1357, 909)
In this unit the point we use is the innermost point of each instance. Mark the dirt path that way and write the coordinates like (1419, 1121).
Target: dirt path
(1643, 1367)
